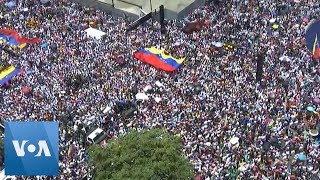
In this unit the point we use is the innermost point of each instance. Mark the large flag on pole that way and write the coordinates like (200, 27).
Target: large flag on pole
(316, 48)
(14, 38)
(312, 38)
(159, 59)
(7, 74)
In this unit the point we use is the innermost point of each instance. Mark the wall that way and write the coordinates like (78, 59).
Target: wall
(106, 8)
(172, 10)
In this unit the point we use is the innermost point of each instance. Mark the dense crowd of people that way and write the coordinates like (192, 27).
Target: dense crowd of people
(232, 126)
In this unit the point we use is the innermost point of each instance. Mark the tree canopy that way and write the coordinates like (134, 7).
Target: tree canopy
(149, 154)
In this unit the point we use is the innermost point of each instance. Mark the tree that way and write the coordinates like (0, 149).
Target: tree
(149, 154)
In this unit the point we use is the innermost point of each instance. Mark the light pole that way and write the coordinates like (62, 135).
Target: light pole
(150, 5)
(151, 13)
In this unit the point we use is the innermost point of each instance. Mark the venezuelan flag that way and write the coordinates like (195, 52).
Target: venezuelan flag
(312, 39)
(159, 59)
(15, 39)
(7, 74)
(316, 48)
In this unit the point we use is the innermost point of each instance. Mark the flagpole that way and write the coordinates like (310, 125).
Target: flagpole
(151, 13)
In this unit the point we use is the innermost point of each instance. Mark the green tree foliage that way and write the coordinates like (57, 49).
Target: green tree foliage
(152, 154)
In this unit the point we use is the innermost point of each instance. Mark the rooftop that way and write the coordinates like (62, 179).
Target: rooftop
(132, 6)
(174, 9)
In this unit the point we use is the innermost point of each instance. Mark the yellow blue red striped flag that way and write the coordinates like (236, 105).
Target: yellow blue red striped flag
(7, 74)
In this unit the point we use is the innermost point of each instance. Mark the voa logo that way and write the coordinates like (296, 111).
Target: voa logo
(42, 145)
(31, 148)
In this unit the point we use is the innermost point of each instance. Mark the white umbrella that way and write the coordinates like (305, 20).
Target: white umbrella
(107, 109)
(285, 58)
(157, 99)
(10, 4)
(234, 140)
(272, 20)
(142, 96)
(95, 33)
(218, 44)
(177, 43)
(148, 87)
(314, 132)
(159, 84)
